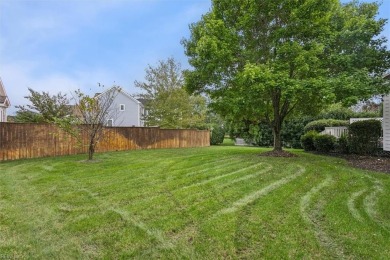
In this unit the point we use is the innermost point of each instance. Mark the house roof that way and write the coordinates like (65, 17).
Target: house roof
(143, 101)
(121, 91)
(4, 100)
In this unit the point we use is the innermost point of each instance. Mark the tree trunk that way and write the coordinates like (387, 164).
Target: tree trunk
(91, 150)
(277, 131)
(277, 122)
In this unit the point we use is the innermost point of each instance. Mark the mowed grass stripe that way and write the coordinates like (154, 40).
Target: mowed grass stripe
(213, 193)
(262, 192)
(243, 169)
(267, 168)
(166, 177)
(312, 218)
(103, 207)
(65, 208)
(352, 207)
(151, 172)
(174, 185)
(370, 203)
(174, 182)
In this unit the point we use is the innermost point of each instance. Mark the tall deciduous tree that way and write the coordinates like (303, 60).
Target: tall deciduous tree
(43, 108)
(168, 105)
(264, 60)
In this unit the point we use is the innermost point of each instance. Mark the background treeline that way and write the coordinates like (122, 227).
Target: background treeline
(260, 133)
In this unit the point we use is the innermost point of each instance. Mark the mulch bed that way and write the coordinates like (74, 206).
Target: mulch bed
(373, 163)
(379, 164)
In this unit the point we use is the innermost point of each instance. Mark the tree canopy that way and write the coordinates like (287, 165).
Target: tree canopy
(44, 108)
(265, 60)
(167, 103)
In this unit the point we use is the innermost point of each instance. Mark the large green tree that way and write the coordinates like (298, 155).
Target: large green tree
(167, 103)
(263, 60)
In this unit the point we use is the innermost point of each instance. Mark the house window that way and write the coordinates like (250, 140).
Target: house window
(122, 107)
(110, 122)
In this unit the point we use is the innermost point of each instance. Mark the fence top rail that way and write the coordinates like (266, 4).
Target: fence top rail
(109, 127)
(336, 127)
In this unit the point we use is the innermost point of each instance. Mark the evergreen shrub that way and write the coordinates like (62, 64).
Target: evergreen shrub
(364, 136)
(292, 130)
(217, 135)
(324, 143)
(342, 144)
(319, 125)
(307, 140)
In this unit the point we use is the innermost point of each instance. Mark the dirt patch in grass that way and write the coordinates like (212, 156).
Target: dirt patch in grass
(278, 154)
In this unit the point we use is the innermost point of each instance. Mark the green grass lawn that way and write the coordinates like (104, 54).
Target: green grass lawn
(207, 203)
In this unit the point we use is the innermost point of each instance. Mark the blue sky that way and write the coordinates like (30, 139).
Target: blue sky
(64, 45)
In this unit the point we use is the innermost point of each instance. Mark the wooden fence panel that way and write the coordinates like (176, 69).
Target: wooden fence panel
(19, 141)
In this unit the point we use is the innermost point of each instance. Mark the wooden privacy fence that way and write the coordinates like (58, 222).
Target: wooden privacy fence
(18, 141)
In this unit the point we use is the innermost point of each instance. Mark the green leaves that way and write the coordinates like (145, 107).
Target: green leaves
(168, 104)
(43, 108)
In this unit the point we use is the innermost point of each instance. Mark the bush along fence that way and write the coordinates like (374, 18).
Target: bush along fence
(360, 137)
(18, 141)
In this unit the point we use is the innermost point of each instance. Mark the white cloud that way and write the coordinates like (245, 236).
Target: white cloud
(19, 77)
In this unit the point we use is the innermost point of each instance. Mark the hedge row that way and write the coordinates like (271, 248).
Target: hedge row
(363, 136)
(313, 141)
(319, 125)
(362, 139)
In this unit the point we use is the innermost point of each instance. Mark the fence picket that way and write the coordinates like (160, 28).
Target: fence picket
(19, 141)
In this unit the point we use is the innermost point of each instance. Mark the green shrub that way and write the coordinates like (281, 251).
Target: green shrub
(292, 130)
(364, 136)
(260, 135)
(217, 135)
(337, 112)
(342, 144)
(307, 140)
(324, 143)
(319, 125)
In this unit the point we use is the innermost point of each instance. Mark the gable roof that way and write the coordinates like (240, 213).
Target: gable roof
(143, 101)
(4, 101)
(117, 88)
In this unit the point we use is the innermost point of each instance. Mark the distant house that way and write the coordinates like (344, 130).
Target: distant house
(386, 119)
(4, 103)
(128, 111)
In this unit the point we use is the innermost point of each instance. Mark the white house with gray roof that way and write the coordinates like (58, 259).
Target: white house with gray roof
(4, 103)
(127, 111)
